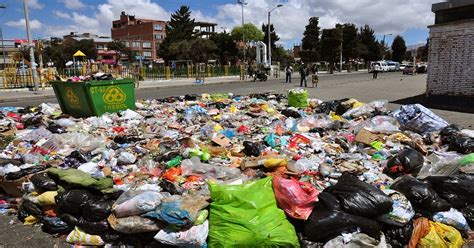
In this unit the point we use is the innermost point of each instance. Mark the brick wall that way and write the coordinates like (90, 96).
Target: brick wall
(451, 59)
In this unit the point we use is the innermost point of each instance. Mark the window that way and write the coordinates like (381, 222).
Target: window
(146, 44)
(147, 54)
(126, 44)
(136, 44)
(158, 36)
(101, 47)
(157, 27)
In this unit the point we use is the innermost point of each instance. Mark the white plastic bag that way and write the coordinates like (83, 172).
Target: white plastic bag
(419, 119)
(132, 203)
(453, 218)
(194, 237)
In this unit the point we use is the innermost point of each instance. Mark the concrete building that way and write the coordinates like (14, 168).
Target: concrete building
(142, 36)
(204, 29)
(104, 55)
(451, 50)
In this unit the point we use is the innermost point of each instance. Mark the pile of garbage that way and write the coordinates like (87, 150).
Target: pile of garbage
(222, 170)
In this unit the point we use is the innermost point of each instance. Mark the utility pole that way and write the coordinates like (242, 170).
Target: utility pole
(242, 3)
(383, 45)
(270, 35)
(340, 56)
(30, 44)
(3, 44)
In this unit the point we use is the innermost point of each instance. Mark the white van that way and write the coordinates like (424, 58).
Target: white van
(383, 67)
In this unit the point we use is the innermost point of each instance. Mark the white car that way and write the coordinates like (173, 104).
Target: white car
(382, 65)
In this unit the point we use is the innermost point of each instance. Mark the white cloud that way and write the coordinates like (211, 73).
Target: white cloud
(72, 4)
(34, 24)
(290, 20)
(34, 4)
(62, 15)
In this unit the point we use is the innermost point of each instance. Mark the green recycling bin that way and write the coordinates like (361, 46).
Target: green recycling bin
(94, 98)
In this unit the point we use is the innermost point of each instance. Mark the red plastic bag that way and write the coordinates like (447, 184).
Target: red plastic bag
(295, 198)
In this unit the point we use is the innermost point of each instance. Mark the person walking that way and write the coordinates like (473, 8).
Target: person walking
(375, 71)
(289, 71)
(303, 74)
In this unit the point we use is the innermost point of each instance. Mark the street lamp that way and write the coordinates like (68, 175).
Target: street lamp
(3, 44)
(242, 3)
(383, 45)
(269, 35)
(30, 44)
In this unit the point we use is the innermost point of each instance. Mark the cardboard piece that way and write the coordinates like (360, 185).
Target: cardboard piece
(366, 137)
(221, 140)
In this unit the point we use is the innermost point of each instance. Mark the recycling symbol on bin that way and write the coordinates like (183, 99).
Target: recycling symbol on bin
(71, 96)
(114, 95)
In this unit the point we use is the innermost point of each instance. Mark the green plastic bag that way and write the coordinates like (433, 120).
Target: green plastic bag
(298, 98)
(247, 216)
(72, 178)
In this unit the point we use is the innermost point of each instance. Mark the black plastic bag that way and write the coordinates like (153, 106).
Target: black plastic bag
(461, 144)
(398, 237)
(448, 132)
(360, 198)
(97, 209)
(31, 208)
(421, 195)
(21, 214)
(290, 113)
(72, 201)
(251, 149)
(468, 213)
(327, 221)
(55, 128)
(54, 225)
(457, 190)
(5, 161)
(25, 172)
(43, 183)
(408, 161)
(328, 107)
(69, 219)
(93, 227)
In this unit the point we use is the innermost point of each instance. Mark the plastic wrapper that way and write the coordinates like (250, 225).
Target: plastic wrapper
(453, 218)
(295, 198)
(79, 237)
(401, 212)
(419, 119)
(382, 124)
(179, 210)
(457, 189)
(195, 236)
(408, 161)
(366, 109)
(420, 194)
(360, 198)
(195, 167)
(91, 168)
(43, 183)
(133, 224)
(328, 221)
(54, 225)
(356, 240)
(445, 165)
(247, 215)
(136, 203)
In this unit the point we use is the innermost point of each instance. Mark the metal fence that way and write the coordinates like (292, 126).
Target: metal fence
(21, 78)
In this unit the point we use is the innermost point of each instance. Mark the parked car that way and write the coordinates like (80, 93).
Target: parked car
(402, 67)
(383, 67)
(409, 69)
(393, 66)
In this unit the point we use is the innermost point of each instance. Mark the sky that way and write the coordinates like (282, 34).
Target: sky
(408, 18)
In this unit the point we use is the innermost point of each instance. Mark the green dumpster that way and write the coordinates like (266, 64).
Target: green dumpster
(93, 98)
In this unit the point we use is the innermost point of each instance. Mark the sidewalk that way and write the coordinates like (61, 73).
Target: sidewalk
(13, 95)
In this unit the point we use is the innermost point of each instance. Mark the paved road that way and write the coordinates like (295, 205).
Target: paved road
(389, 86)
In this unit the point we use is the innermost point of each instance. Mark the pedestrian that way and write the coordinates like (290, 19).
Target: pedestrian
(289, 72)
(314, 77)
(375, 70)
(303, 74)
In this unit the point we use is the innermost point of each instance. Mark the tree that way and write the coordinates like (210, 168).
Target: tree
(274, 37)
(350, 41)
(310, 43)
(119, 47)
(60, 54)
(331, 45)
(180, 28)
(252, 33)
(370, 49)
(197, 50)
(283, 56)
(226, 48)
(398, 48)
